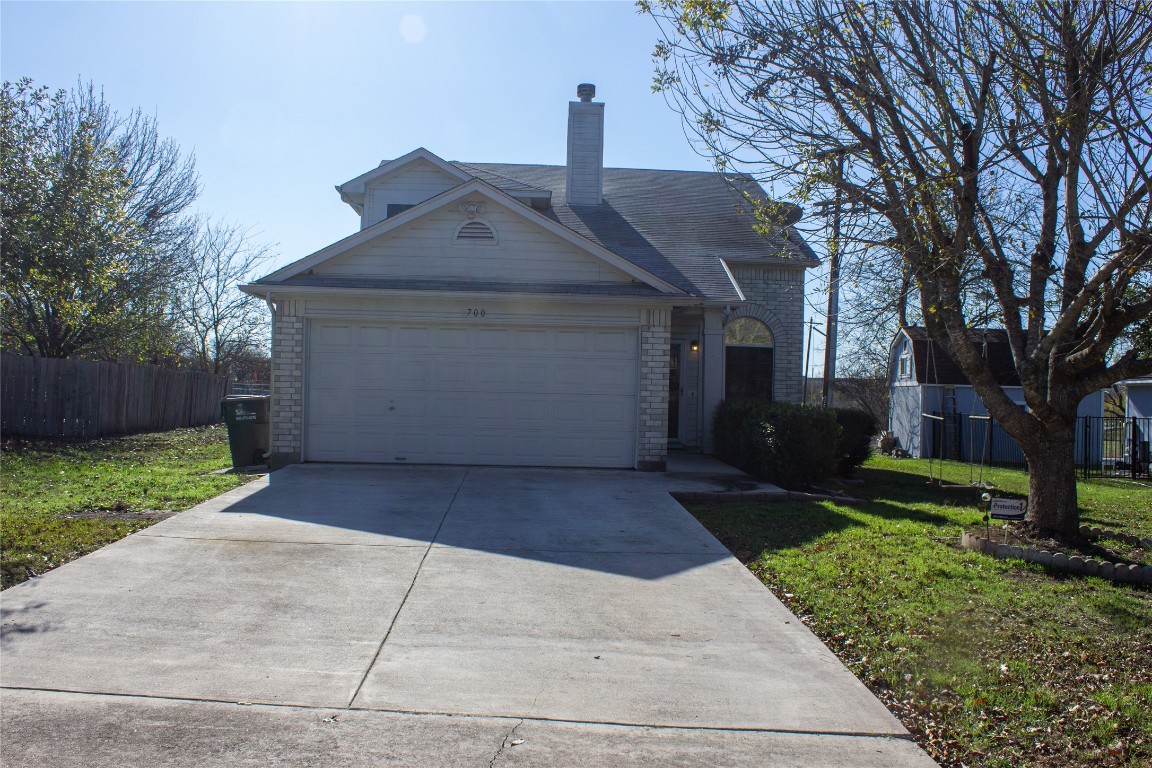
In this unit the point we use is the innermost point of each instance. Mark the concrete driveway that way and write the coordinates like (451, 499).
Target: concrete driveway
(423, 616)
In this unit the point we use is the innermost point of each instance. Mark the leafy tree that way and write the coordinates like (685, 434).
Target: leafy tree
(92, 208)
(222, 326)
(997, 153)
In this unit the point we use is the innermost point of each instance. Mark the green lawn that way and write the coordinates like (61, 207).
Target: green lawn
(61, 500)
(988, 662)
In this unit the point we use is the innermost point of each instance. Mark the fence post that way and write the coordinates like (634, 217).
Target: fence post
(1133, 450)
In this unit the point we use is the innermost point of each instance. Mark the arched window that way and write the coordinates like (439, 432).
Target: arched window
(747, 359)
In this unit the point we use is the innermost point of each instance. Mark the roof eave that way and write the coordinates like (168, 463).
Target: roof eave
(268, 291)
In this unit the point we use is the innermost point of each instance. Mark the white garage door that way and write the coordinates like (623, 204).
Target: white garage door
(451, 394)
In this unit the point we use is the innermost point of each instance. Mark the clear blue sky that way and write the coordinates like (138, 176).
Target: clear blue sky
(282, 101)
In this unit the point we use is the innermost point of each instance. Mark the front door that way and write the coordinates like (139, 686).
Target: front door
(674, 392)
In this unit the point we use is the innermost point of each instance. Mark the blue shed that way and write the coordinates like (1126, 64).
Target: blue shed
(923, 379)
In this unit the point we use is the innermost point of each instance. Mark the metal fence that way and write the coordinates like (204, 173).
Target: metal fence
(1106, 446)
(1116, 447)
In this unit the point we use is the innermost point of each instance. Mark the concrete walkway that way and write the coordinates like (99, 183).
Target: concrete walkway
(371, 615)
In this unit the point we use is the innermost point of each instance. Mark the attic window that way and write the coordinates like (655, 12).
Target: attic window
(476, 231)
(396, 208)
(905, 371)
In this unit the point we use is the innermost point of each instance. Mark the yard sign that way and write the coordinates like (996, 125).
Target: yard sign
(1008, 509)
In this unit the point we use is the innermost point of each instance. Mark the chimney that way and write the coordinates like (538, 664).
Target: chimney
(585, 183)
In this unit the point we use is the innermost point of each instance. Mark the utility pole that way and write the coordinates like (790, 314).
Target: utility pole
(808, 355)
(833, 288)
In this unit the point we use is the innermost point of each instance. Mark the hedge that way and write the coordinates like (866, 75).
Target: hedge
(785, 444)
(857, 430)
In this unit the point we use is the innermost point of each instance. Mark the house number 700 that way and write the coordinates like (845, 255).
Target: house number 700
(476, 313)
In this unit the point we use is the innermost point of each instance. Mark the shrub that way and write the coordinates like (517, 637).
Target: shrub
(857, 429)
(786, 444)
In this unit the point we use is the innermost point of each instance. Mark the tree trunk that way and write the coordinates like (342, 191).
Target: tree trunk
(1052, 505)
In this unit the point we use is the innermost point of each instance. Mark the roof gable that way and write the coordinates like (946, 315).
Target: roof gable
(355, 190)
(383, 235)
(476, 238)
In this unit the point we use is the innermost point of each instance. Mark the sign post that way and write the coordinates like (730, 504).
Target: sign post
(1007, 509)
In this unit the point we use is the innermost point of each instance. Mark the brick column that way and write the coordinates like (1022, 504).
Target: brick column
(652, 440)
(287, 385)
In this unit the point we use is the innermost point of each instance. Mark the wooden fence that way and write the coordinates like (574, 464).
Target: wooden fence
(46, 397)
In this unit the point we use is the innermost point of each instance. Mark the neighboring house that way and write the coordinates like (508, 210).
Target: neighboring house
(923, 379)
(533, 315)
(1138, 398)
(1138, 424)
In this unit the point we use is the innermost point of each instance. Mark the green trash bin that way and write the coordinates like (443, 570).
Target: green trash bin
(248, 429)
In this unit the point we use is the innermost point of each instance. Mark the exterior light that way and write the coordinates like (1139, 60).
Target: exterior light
(695, 345)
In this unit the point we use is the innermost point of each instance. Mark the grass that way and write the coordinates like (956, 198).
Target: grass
(62, 500)
(988, 662)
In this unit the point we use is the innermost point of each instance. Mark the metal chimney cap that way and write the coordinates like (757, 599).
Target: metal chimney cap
(586, 91)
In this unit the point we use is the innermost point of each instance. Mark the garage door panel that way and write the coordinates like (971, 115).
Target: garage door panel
(491, 410)
(612, 376)
(449, 410)
(571, 341)
(531, 378)
(413, 374)
(452, 338)
(612, 341)
(532, 414)
(531, 341)
(606, 412)
(458, 394)
(413, 338)
(492, 372)
(333, 336)
(491, 339)
(572, 376)
(373, 337)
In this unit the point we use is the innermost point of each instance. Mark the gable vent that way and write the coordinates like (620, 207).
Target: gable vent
(475, 232)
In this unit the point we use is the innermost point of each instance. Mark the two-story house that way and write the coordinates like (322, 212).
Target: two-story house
(491, 313)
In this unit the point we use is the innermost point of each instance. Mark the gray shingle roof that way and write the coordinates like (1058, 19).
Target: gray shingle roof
(933, 365)
(676, 225)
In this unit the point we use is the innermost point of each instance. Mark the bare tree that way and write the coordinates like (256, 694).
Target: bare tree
(222, 325)
(1000, 154)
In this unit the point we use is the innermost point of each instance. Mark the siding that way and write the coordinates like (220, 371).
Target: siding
(413, 184)
(904, 418)
(426, 249)
(1140, 400)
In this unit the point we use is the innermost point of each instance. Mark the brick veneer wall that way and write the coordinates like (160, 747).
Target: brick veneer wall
(652, 437)
(287, 385)
(776, 296)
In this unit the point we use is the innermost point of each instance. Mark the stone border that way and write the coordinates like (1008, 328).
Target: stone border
(1093, 533)
(1120, 572)
(724, 496)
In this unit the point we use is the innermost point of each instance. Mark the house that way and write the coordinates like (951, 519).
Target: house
(923, 379)
(575, 315)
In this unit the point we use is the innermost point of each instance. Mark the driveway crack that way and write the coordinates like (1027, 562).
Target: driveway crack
(415, 576)
(504, 745)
